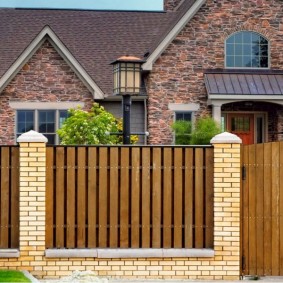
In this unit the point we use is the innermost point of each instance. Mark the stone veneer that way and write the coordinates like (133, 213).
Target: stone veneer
(171, 5)
(177, 76)
(46, 77)
(225, 264)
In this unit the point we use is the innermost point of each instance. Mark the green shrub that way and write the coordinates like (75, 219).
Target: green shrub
(201, 134)
(205, 129)
(182, 131)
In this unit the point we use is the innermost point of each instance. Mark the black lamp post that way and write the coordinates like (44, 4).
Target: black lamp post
(127, 82)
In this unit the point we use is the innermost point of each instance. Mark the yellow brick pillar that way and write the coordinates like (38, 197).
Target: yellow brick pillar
(227, 179)
(32, 201)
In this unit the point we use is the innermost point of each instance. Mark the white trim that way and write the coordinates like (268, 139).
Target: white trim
(32, 136)
(62, 50)
(172, 34)
(44, 105)
(183, 107)
(218, 99)
(9, 253)
(129, 253)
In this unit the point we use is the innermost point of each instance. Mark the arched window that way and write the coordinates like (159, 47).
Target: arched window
(247, 49)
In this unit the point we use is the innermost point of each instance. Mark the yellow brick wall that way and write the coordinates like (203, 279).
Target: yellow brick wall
(224, 265)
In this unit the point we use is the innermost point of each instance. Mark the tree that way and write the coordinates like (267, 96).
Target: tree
(82, 127)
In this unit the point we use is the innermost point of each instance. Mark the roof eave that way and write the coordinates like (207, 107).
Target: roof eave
(172, 34)
(62, 50)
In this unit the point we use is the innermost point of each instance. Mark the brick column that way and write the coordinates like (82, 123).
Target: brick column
(32, 201)
(227, 176)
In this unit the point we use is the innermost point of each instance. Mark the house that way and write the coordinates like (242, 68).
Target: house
(220, 58)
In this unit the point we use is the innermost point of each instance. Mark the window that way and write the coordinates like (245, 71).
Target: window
(247, 50)
(42, 121)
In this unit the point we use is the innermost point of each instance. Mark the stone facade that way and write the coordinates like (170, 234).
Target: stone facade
(178, 75)
(171, 5)
(46, 77)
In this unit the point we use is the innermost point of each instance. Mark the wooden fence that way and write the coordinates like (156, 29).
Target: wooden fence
(262, 209)
(9, 197)
(129, 197)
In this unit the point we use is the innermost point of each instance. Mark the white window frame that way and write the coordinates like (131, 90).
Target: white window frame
(44, 106)
(248, 68)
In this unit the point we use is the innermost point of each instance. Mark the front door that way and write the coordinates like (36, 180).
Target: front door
(242, 125)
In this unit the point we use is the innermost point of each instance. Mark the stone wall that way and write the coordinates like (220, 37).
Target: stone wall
(46, 77)
(171, 5)
(177, 76)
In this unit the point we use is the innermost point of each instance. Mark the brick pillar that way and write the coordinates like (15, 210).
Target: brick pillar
(227, 165)
(32, 201)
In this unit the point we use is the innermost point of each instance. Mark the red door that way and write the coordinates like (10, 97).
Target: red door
(242, 125)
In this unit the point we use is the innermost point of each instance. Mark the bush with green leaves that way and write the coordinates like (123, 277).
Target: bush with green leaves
(200, 134)
(85, 128)
(182, 131)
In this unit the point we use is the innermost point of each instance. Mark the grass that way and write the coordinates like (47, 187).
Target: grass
(12, 276)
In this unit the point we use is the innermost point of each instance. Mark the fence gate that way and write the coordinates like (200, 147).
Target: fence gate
(262, 209)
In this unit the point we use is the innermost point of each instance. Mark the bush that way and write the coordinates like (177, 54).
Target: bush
(201, 134)
(182, 131)
(205, 129)
(86, 128)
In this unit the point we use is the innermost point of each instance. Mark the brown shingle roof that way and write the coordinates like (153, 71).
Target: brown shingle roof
(95, 38)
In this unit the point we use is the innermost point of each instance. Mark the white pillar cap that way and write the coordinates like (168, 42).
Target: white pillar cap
(32, 136)
(225, 138)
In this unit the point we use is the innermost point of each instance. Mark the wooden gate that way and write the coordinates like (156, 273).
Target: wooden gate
(262, 209)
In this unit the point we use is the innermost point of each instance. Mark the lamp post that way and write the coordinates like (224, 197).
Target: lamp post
(127, 82)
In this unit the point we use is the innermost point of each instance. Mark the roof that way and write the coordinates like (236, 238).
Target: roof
(244, 82)
(93, 38)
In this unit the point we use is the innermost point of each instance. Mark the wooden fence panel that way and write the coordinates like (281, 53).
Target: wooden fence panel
(9, 197)
(129, 197)
(262, 207)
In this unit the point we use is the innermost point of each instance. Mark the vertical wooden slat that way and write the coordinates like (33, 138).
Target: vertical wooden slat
(167, 198)
(252, 210)
(124, 199)
(103, 206)
(281, 210)
(71, 194)
(145, 198)
(189, 154)
(81, 197)
(92, 197)
(60, 196)
(199, 198)
(15, 197)
(267, 209)
(178, 198)
(5, 195)
(114, 197)
(259, 209)
(156, 198)
(245, 213)
(275, 208)
(49, 239)
(208, 197)
(135, 199)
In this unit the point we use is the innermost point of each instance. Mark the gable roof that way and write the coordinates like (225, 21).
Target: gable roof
(88, 40)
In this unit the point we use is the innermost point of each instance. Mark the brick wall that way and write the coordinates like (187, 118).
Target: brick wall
(177, 76)
(225, 264)
(46, 77)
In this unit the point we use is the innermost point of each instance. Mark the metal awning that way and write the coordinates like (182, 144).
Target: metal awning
(236, 85)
